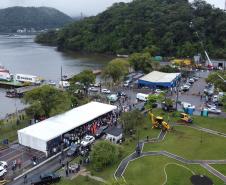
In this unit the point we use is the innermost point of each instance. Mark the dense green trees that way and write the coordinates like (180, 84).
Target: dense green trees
(141, 62)
(104, 154)
(46, 101)
(116, 69)
(131, 120)
(162, 26)
(14, 18)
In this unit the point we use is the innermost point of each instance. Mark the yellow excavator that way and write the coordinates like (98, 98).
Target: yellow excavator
(185, 118)
(158, 122)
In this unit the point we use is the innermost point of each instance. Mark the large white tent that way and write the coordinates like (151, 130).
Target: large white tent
(36, 136)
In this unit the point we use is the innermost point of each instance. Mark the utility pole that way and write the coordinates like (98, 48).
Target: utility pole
(225, 6)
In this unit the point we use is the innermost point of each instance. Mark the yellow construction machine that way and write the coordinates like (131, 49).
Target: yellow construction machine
(185, 118)
(158, 122)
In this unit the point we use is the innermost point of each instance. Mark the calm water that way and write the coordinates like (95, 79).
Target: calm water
(20, 54)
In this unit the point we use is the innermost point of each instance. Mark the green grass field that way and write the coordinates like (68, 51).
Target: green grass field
(150, 171)
(191, 144)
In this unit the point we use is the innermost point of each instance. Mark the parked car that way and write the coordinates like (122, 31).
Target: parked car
(112, 97)
(142, 97)
(215, 98)
(93, 89)
(3, 164)
(126, 83)
(105, 91)
(210, 105)
(121, 93)
(87, 140)
(214, 110)
(73, 150)
(191, 80)
(3, 171)
(158, 91)
(96, 85)
(185, 88)
(187, 105)
(100, 131)
(47, 178)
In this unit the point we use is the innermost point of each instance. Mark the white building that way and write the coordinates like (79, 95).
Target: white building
(114, 134)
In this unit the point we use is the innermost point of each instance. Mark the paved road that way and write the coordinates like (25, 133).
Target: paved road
(204, 163)
(50, 166)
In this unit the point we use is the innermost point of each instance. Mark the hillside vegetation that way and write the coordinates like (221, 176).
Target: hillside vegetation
(14, 18)
(163, 26)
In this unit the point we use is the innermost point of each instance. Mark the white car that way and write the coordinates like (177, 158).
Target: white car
(3, 164)
(3, 171)
(214, 110)
(215, 99)
(93, 89)
(187, 105)
(185, 87)
(191, 80)
(105, 91)
(158, 91)
(87, 140)
(126, 84)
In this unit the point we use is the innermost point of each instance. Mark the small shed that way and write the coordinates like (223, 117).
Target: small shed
(114, 134)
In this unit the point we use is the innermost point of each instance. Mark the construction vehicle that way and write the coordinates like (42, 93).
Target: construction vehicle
(182, 62)
(185, 118)
(158, 122)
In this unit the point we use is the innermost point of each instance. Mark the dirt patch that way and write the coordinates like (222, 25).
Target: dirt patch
(201, 180)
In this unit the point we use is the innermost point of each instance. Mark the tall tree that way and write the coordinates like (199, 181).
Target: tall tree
(116, 69)
(47, 101)
(104, 154)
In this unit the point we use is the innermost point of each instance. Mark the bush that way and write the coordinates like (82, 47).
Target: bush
(104, 154)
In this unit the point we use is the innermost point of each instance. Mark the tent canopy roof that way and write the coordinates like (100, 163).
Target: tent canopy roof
(55, 126)
(160, 77)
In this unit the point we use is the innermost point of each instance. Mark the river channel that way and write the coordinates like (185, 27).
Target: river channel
(20, 54)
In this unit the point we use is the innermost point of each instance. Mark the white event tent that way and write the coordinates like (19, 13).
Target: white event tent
(37, 136)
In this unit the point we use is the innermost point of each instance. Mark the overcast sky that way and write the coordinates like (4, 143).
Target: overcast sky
(75, 7)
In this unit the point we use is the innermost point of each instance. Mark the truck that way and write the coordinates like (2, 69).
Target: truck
(142, 97)
(43, 179)
(27, 78)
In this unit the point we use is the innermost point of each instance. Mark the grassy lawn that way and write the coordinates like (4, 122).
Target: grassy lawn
(78, 181)
(214, 123)
(220, 167)
(8, 128)
(150, 171)
(191, 144)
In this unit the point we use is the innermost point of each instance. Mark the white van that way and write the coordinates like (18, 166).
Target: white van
(142, 97)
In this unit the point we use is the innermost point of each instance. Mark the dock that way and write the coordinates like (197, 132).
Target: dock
(19, 92)
(14, 84)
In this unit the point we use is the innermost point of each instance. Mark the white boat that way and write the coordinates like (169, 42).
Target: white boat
(27, 78)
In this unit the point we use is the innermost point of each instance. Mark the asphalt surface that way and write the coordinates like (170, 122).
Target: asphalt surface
(50, 166)
(15, 152)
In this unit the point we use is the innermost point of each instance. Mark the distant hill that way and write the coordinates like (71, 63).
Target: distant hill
(162, 26)
(14, 18)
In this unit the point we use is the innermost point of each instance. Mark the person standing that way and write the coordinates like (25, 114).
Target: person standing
(25, 178)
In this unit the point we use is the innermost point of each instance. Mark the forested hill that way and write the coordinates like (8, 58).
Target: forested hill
(163, 26)
(14, 18)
